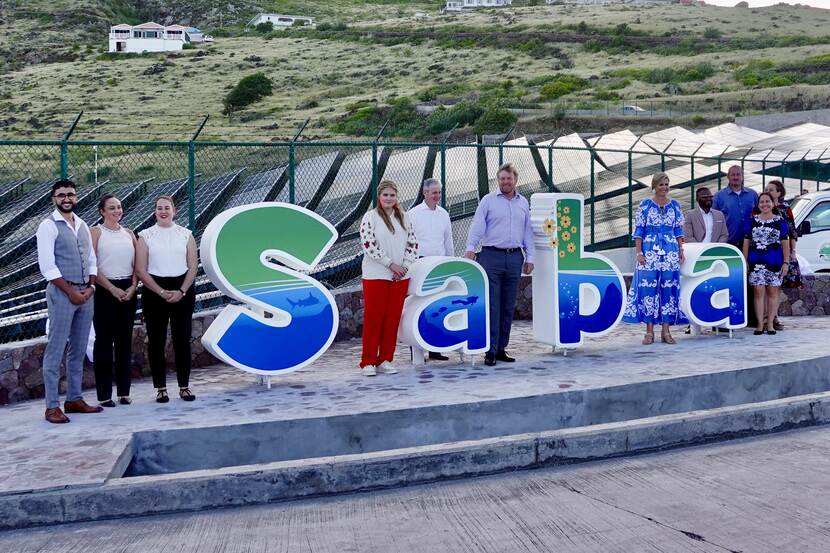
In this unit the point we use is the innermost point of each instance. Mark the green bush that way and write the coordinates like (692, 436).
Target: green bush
(563, 85)
(247, 91)
(264, 28)
(605, 95)
(494, 120)
(712, 33)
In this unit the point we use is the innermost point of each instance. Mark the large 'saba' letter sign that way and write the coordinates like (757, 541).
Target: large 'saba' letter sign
(288, 319)
(575, 293)
(713, 285)
(448, 307)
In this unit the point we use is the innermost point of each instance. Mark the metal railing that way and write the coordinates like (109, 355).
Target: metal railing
(339, 179)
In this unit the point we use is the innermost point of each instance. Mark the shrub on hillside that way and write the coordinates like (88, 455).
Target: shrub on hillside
(264, 28)
(494, 120)
(247, 91)
(563, 85)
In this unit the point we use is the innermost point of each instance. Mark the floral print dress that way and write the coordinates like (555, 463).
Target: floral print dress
(654, 296)
(765, 249)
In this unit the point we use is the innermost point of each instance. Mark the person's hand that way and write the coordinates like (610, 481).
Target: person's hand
(470, 255)
(527, 268)
(398, 272)
(641, 259)
(785, 269)
(128, 293)
(174, 296)
(118, 293)
(682, 256)
(77, 298)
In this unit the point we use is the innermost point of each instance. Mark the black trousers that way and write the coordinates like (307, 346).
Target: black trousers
(113, 321)
(158, 314)
(504, 269)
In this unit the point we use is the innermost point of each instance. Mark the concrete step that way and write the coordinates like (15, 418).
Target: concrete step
(379, 467)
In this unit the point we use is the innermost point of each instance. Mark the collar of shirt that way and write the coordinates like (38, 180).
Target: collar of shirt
(516, 195)
(56, 215)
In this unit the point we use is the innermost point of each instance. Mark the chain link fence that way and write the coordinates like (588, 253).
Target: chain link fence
(338, 180)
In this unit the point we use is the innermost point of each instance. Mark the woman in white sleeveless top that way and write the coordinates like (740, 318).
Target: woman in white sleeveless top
(115, 302)
(166, 263)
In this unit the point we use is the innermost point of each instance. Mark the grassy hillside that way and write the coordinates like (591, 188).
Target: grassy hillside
(372, 61)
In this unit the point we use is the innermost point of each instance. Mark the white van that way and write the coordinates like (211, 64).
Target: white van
(812, 219)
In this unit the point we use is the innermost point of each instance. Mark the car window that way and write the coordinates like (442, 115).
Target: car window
(820, 217)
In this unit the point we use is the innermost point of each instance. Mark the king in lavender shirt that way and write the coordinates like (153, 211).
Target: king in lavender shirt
(502, 223)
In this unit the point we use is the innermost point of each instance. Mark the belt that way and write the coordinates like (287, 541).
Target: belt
(502, 250)
(85, 284)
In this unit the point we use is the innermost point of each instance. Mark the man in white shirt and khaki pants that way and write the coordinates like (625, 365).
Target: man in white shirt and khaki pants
(704, 225)
(433, 228)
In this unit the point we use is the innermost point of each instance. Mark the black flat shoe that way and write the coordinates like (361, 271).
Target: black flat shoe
(758, 332)
(437, 356)
(502, 356)
(108, 403)
(186, 394)
(489, 359)
(161, 396)
(125, 400)
(771, 332)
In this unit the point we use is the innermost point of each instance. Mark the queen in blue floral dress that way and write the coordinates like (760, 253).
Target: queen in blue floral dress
(654, 296)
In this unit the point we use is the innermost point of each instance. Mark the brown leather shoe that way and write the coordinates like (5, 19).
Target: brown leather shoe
(80, 406)
(56, 416)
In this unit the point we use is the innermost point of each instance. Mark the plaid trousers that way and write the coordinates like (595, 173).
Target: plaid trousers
(67, 323)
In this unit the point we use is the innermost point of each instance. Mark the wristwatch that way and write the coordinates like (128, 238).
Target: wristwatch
(180, 290)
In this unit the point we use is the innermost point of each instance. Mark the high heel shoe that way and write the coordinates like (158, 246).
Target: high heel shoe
(648, 338)
(666, 338)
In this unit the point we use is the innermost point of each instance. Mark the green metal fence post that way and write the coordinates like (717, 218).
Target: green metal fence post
(292, 162)
(818, 168)
(692, 199)
(501, 145)
(630, 203)
(663, 155)
(191, 174)
(720, 172)
(374, 185)
(65, 147)
(593, 199)
(550, 167)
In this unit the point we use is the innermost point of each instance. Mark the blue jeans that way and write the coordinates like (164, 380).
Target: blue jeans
(503, 272)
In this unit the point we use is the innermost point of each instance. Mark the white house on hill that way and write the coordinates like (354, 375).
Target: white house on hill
(280, 21)
(148, 37)
(462, 5)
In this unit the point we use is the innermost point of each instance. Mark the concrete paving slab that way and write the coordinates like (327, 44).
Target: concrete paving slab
(38, 456)
(760, 495)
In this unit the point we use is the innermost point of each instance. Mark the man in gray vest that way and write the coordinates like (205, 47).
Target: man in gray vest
(67, 260)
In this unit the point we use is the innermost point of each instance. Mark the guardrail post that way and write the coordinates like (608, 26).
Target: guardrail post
(191, 174)
(720, 174)
(65, 147)
(818, 168)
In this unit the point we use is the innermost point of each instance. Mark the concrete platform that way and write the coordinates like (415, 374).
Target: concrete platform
(328, 414)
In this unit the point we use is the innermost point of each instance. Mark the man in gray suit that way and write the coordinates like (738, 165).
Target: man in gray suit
(704, 224)
(67, 260)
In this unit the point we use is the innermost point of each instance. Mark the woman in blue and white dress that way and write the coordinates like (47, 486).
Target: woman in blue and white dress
(654, 296)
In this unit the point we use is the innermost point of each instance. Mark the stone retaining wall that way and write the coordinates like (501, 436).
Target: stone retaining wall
(20, 362)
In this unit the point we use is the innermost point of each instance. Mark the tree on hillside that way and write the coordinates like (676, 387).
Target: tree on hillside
(264, 27)
(247, 91)
(742, 5)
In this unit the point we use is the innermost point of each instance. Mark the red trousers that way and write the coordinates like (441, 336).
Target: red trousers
(382, 308)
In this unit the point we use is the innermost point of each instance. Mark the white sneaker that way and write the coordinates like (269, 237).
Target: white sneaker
(387, 368)
(368, 370)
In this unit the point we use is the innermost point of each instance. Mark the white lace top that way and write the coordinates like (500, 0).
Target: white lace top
(167, 250)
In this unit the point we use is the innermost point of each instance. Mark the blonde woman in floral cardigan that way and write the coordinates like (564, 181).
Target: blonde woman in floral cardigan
(389, 248)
